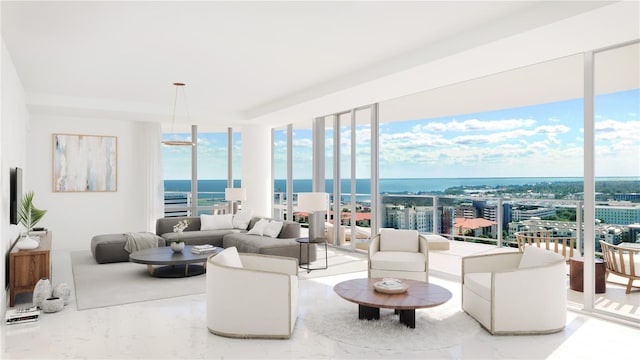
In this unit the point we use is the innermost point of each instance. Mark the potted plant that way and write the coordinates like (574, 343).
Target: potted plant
(29, 216)
(177, 245)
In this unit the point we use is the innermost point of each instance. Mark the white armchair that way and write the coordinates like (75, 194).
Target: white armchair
(516, 293)
(399, 254)
(251, 295)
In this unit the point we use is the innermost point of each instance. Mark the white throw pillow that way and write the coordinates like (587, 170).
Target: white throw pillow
(229, 257)
(258, 228)
(242, 218)
(399, 240)
(534, 256)
(273, 228)
(216, 222)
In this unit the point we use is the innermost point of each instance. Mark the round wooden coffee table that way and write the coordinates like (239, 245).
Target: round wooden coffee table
(175, 264)
(420, 294)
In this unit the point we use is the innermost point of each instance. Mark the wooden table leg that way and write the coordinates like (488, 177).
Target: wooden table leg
(150, 269)
(408, 317)
(368, 313)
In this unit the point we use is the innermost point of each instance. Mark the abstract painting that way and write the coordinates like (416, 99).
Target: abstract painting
(84, 163)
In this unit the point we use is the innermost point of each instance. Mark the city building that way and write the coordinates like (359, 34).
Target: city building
(618, 215)
(477, 227)
(526, 212)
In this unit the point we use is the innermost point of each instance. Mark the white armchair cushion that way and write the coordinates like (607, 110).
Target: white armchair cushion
(216, 222)
(242, 218)
(399, 240)
(229, 257)
(398, 261)
(534, 256)
(479, 283)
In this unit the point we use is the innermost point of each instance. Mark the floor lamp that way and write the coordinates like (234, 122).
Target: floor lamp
(316, 203)
(233, 195)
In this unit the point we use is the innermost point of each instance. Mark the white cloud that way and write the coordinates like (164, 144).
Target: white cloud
(302, 143)
(476, 125)
(552, 129)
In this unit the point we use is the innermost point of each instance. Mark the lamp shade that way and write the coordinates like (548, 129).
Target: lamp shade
(234, 194)
(313, 201)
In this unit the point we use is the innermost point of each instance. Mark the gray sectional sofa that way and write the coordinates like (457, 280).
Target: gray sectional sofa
(110, 248)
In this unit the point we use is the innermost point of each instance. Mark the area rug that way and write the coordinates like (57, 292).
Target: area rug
(100, 285)
(436, 328)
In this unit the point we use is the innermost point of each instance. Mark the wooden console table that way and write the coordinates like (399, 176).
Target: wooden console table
(26, 267)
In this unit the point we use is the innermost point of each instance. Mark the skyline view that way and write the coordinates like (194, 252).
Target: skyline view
(544, 140)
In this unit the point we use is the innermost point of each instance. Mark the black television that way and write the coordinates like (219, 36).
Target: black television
(15, 194)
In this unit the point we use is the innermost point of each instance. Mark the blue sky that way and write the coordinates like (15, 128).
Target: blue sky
(538, 140)
(212, 157)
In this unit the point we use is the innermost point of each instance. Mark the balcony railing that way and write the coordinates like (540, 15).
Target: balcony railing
(179, 203)
(480, 219)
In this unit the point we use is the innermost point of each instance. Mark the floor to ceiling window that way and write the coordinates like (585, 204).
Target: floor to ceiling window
(279, 166)
(471, 143)
(292, 156)
(177, 175)
(617, 156)
(213, 172)
(348, 175)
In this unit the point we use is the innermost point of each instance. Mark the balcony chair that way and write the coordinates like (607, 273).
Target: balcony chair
(621, 261)
(516, 292)
(251, 295)
(563, 245)
(399, 254)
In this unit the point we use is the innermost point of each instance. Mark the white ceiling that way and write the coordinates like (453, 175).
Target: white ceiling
(239, 59)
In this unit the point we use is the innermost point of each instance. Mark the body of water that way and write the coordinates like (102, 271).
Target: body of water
(389, 186)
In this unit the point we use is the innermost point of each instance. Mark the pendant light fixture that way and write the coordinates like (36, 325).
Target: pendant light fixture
(173, 118)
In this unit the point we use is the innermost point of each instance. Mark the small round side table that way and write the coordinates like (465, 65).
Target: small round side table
(576, 275)
(308, 242)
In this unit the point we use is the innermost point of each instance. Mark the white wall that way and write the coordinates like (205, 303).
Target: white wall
(13, 124)
(75, 217)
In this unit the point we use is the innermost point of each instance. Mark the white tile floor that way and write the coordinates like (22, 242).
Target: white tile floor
(176, 328)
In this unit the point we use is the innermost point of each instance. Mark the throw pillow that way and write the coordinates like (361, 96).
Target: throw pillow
(273, 229)
(534, 256)
(258, 228)
(242, 218)
(216, 222)
(228, 257)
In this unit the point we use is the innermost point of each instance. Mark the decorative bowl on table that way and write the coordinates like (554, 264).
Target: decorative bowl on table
(390, 286)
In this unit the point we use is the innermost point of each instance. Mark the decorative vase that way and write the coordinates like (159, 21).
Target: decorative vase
(52, 304)
(41, 291)
(27, 243)
(177, 246)
(62, 291)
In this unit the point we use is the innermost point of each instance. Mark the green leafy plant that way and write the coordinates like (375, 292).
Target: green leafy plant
(28, 214)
